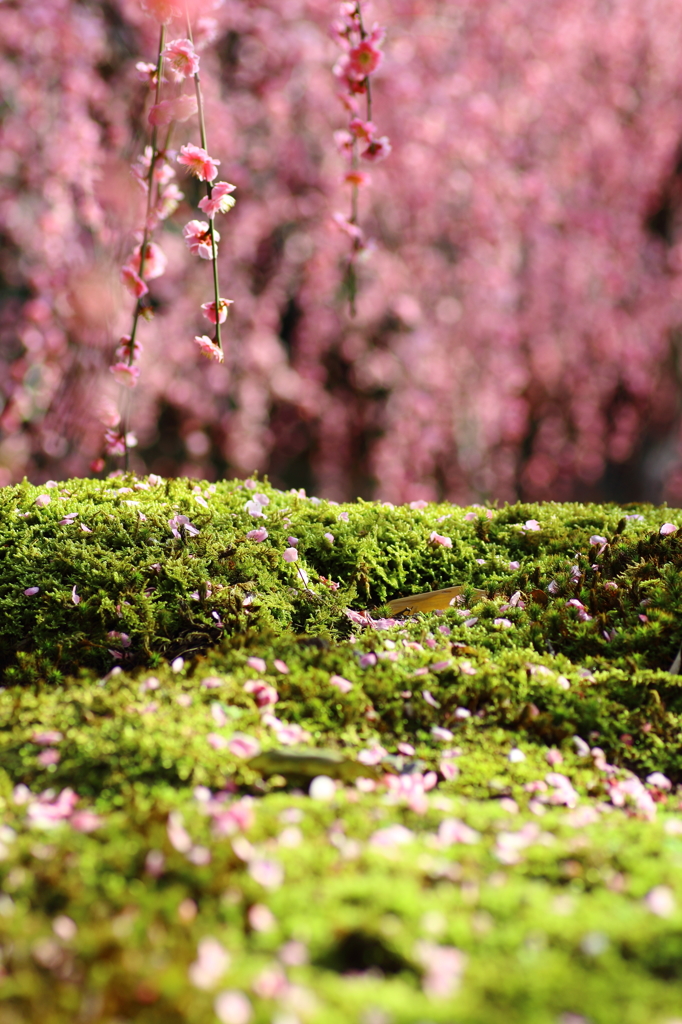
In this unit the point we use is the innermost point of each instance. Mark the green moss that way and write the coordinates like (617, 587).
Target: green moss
(549, 906)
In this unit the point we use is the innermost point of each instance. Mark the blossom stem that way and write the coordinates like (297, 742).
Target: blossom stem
(209, 192)
(150, 190)
(145, 238)
(351, 275)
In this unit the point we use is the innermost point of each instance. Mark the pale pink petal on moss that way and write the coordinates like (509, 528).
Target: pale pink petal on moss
(42, 501)
(233, 1007)
(47, 736)
(667, 529)
(85, 821)
(257, 664)
(341, 684)
(290, 555)
(661, 901)
(31, 591)
(244, 746)
(216, 741)
(268, 873)
(211, 963)
(48, 757)
(257, 535)
(436, 538)
(281, 666)
(261, 918)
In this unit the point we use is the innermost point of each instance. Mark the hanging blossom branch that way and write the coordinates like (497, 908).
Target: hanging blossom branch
(361, 57)
(202, 237)
(155, 173)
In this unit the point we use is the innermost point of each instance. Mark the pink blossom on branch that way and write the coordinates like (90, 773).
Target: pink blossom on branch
(208, 309)
(179, 109)
(182, 60)
(154, 261)
(198, 162)
(133, 282)
(378, 149)
(362, 60)
(125, 374)
(162, 10)
(219, 201)
(197, 235)
(209, 348)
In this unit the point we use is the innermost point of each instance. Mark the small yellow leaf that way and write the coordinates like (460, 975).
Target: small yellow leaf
(431, 601)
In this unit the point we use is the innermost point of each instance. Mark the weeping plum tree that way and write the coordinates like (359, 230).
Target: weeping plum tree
(518, 272)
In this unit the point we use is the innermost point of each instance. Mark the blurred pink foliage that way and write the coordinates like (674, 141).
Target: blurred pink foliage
(518, 318)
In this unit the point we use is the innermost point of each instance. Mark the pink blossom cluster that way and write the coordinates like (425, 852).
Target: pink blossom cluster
(361, 57)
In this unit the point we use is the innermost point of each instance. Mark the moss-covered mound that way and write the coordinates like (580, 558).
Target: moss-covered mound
(492, 831)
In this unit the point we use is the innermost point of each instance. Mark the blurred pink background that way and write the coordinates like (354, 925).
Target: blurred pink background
(519, 320)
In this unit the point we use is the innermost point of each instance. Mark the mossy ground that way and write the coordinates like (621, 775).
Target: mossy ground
(499, 894)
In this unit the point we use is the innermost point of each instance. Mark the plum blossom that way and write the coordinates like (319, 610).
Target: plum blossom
(198, 239)
(208, 309)
(154, 264)
(376, 150)
(181, 59)
(363, 59)
(219, 201)
(163, 10)
(209, 348)
(181, 108)
(198, 162)
(133, 282)
(146, 72)
(125, 374)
